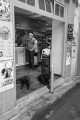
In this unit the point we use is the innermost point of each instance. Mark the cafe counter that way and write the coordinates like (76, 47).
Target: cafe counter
(21, 56)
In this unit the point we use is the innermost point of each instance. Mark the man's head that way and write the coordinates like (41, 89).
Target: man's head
(30, 35)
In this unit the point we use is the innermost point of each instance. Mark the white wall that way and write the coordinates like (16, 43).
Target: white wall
(70, 12)
(74, 61)
(57, 46)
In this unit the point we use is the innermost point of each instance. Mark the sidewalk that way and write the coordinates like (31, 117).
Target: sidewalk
(40, 104)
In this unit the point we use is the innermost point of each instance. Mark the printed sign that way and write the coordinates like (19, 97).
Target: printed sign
(6, 75)
(6, 47)
(5, 10)
(70, 32)
(6, 41)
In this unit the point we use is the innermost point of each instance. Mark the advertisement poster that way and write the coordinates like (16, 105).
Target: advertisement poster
(6, 41)
(6, 75)
(69, 52)
(6, 47)
(5, 10)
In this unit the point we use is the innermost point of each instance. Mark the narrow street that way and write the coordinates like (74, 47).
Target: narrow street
(65, 108)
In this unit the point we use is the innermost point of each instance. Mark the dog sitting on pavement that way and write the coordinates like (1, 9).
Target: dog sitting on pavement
(25, 80)
(44, 79)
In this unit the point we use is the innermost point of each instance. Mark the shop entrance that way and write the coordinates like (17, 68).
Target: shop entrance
(41, 28)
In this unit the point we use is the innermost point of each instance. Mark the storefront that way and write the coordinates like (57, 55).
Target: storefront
(48, 21)
(45, 30)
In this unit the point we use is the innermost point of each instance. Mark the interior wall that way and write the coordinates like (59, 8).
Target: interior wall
(57, 46)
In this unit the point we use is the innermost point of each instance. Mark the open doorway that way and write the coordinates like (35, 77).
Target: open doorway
(41, 28)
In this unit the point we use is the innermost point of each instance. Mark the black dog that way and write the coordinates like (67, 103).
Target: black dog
(25, 80)
(44, 79)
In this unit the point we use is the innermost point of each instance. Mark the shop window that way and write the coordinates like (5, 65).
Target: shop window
(53, 6)
(48, 6)
(41, 4)
(22, 0)
(62, 11)
(31, 2)
(57, 8)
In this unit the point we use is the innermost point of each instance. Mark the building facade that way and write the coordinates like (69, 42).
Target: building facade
(61, 17)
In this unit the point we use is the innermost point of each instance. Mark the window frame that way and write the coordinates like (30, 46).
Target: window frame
(61, 5)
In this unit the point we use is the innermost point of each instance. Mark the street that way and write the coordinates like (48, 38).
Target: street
(65, 108)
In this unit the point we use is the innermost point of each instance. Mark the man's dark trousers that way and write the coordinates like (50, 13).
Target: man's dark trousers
(31, 58)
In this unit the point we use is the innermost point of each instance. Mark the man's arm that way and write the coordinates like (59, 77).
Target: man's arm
(35, 44)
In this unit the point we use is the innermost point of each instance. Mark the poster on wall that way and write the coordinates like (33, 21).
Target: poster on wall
(5, 10)
(69, 52)
(6, 40)
(6, 75)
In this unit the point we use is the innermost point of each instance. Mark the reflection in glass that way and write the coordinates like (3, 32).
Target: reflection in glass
(48, 6)
(31, 2)
(62, 11)
(41, 4)
(57, 8)
(53, 6)
(22, 1)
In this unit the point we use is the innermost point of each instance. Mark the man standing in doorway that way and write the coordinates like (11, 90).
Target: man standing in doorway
(31, 45)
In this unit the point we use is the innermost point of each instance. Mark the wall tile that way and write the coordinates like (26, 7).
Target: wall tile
(12, 102)
(12, 93)
(7, 95)
(3, 96)
(3, 107)
(0, 101)
(8, 105)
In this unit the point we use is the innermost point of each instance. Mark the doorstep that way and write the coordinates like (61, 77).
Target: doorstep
(38, 93)
(34, 95)
(24, 102)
